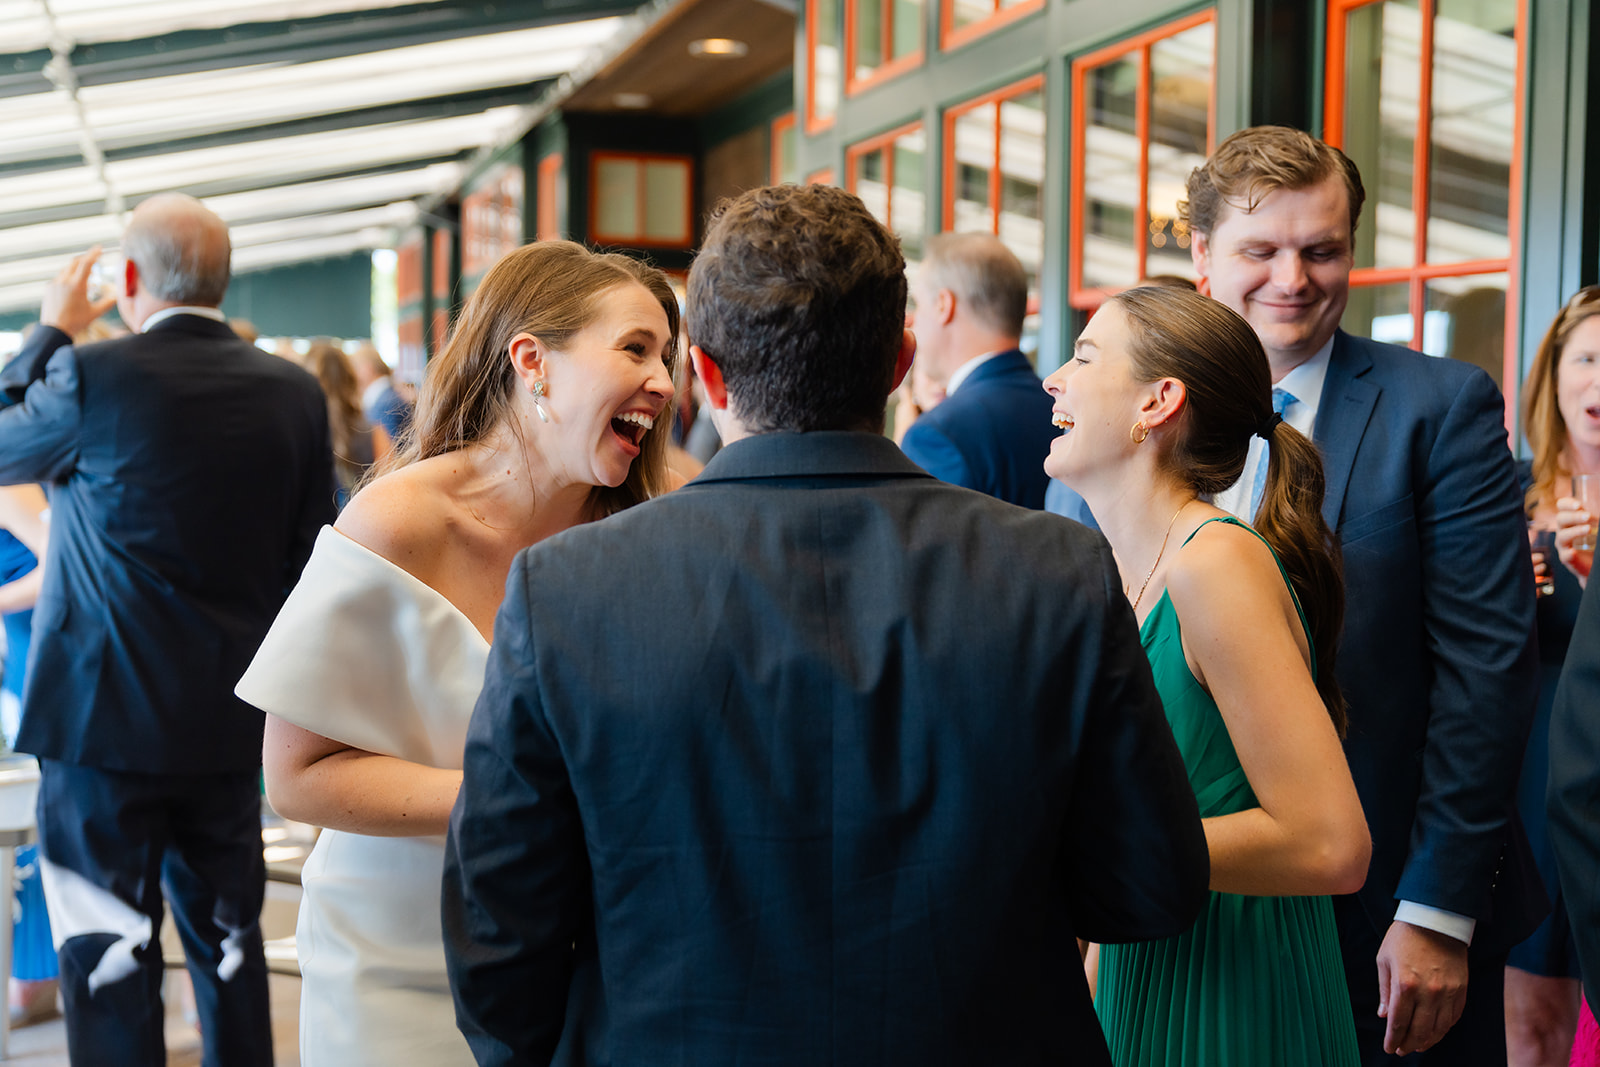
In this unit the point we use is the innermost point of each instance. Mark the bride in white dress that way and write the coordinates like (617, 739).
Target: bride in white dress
(547, 408)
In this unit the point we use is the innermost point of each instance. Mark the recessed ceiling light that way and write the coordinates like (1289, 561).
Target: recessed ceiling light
(632, 101)
(718, 48)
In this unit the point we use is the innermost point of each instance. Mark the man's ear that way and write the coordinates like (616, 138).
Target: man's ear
(130, 279)
(1166, 398)
(902, 362)
(944, 307)
(527, 355)
(710, 375)
(1200, 255)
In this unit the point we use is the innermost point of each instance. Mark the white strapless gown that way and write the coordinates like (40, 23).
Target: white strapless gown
(366, 654)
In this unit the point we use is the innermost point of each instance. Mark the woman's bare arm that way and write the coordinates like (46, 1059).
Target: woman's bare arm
(23, 593)
(313, 779)
(1309, 835)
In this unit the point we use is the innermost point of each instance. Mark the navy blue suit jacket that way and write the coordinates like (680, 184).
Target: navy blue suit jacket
(816, 760)
(1438, 661)
(992, 434)
(189, 473)
(1574, 801)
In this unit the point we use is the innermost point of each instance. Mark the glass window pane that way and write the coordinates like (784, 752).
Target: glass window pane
(870, 183)
(1111, 177)
(1474, 107)
(907, 28)
(787, 165)
(907, 212)
(1381, 312)
(974, 152)
(1022, 179)
(1382, 82)
(827, 66)
(966, 12)
(666, 200)
(869, 36)
(1466, 320)
(617, 198)
(1180, 111)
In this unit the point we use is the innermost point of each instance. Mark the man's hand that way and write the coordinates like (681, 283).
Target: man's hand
(1422, 986)
(66, 304)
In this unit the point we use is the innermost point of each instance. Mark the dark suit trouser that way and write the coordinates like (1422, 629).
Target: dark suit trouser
(112, 841)
(1477, 1040)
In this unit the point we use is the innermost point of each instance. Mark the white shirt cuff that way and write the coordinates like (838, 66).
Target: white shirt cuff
(1438, 920)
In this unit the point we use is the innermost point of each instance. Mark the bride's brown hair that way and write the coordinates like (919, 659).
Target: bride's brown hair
(548, 289)
(1228, 384)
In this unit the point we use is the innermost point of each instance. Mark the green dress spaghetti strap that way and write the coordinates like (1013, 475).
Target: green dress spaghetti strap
(1257, 981)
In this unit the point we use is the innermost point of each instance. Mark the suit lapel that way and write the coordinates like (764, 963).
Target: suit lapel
(1348, 398)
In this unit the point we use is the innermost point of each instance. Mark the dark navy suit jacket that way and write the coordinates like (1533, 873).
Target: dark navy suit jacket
(992, 434)
(817, 760)
(1574, 808)
(1438, 661)
(189, 473)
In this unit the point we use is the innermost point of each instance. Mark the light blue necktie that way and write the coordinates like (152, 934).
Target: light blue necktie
(1281, 398)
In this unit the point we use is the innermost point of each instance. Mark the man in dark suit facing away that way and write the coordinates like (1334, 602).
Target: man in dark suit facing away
(189, 473)
(817, 759)
(992, 431)
(1437, 659)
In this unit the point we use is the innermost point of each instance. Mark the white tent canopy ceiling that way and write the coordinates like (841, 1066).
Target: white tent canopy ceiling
(312, 126)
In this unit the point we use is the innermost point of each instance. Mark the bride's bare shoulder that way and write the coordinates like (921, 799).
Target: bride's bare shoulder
(406, 516)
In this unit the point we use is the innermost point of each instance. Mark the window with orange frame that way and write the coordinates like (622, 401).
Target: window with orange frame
(1425, 97)
(961, 21)
(882, 39)
(641, 199)
(1143, 117)
(888, 173)
(824, 63)
(784, 165)
(994, 148)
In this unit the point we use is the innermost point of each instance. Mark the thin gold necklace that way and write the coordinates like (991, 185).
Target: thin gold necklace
(1159, 553)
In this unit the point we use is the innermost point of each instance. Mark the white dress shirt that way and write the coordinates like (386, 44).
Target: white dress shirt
(1305, 384)
(166, 313)
(964, 371)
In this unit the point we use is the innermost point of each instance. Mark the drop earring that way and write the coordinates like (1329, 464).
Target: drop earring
(538, 400)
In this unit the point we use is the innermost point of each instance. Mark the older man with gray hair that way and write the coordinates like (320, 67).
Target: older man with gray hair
(992, 431)
(189, 475)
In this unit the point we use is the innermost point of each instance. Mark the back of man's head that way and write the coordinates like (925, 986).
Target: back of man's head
(798, 295)
(1258, 161)
(181, 250)
(986, 277)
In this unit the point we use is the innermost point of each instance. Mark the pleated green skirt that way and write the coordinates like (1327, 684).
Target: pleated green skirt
(1256, 982)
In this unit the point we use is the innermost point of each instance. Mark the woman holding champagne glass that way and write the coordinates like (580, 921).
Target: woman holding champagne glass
(1561, 416)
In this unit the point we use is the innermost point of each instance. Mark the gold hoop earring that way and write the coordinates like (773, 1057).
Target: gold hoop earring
(1139, 432)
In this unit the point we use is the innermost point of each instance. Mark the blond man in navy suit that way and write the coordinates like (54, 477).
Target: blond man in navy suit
(1438, 662)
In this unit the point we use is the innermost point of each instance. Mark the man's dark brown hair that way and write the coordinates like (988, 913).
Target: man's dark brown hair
(799, 296)
(1256, 162)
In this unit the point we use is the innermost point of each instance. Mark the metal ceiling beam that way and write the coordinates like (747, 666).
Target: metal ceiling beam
(439, 107)
(297, 40)
(85, 209)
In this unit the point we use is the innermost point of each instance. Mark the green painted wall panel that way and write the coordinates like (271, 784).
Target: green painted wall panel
(331, 297)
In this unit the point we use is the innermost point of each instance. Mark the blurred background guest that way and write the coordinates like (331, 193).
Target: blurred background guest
(1563, 387)
(992, 431)
(357, 443)
(22, 545)
(381, 402)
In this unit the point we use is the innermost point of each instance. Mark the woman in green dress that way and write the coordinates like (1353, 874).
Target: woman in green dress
(1159, 403)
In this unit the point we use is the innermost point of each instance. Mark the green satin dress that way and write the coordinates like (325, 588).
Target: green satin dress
(1257, 981)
